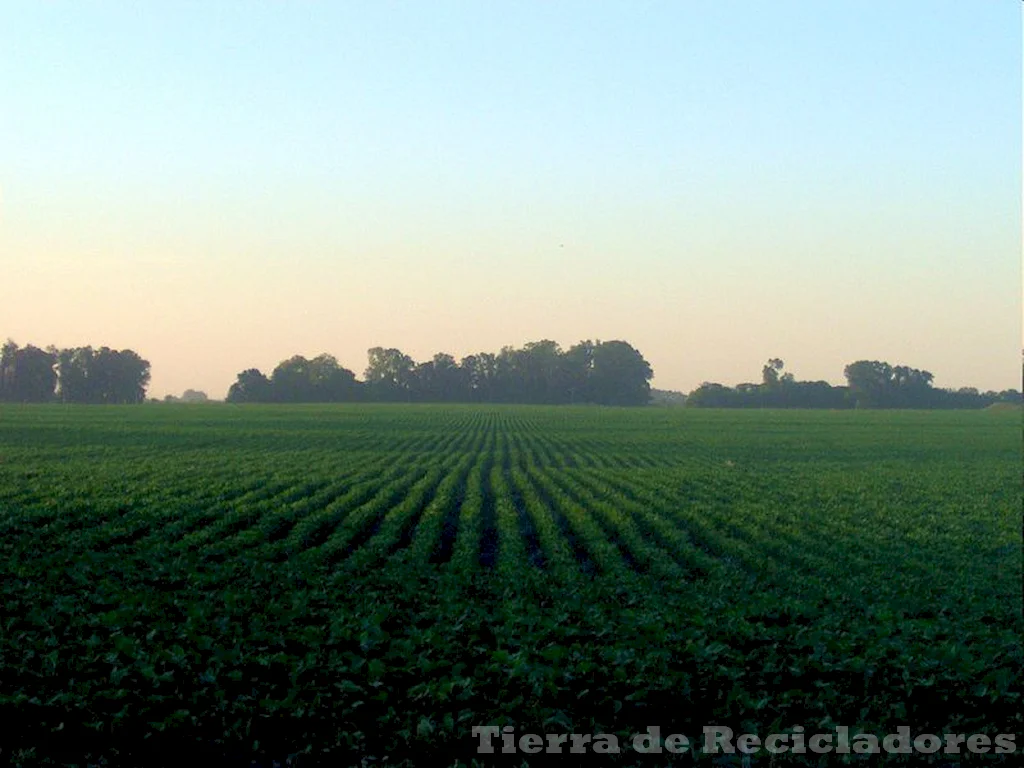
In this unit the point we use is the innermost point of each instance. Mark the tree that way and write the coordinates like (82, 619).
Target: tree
(77, 375)
(869, 382)
(667, 398)
(194, 396)
(876, 384)
(480, 373)
(441, 379)
(127, 375)
(320, 380)
(770, 372)
(613, 373)
(543, 376)
(508, 376)
(73, 376)
(912, 388)
(8, 353)
(577, 365)
(619, 375)
(330, 382)
(27, 374)
(389, 374)
(291, 381)
(1009, 396)
(104, 375)
(121, 376)
(251, 386)
(711, 395)
(774, 391)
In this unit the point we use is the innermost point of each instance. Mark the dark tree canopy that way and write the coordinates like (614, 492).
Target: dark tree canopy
(609, 373)
(251, 387)
(389, 375)
(78, 375)
(320, 380)
(189, 396)
(440, 380)
(27, 374)
(875, 384)
(540, 372)
(618, 375)
(871, 384)
(103, 375)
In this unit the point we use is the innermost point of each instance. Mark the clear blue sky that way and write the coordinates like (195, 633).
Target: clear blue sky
(222, 185)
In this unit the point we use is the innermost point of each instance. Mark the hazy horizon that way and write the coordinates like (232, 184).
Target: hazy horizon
(223, 187)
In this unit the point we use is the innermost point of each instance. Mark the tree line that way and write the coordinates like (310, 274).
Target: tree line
(869, 384)
(541, 372)
(77, 375)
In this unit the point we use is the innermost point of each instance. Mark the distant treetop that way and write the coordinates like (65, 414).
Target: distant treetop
(78, 375)
(870, 384)
(606, 373)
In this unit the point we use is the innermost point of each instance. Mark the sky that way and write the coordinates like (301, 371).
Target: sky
(220, 186)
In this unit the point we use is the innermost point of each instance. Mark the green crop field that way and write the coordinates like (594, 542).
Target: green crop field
(352, 585)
